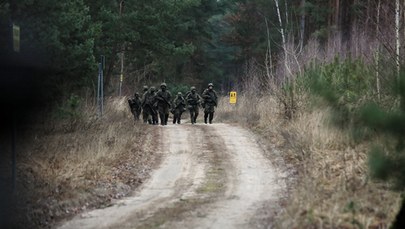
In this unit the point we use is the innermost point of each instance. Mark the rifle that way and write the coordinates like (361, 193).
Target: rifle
(182, 103)
(152, 109)
(177, 106)
(193, 100)
(209, 98)
(164, 100)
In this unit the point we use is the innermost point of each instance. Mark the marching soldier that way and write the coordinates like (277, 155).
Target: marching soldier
(210, 102)
(179, 105)
(193, 102)
(135, 105)
(163, 103)
(149, 107)
(145, 114)
(145, 89)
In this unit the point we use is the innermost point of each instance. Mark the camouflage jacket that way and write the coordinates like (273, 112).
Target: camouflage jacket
(193, 99)
(163, 98)
(210, 97)
(179, 102)
(148, 98)
(135, 103)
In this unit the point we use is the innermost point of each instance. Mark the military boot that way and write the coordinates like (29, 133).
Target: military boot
(211, 117)
(205, 118)
(166, 118)
(192, 118)
(195, 118)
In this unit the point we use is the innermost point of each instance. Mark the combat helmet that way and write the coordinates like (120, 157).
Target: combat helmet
(192, 88)
(145, 88)
(163, 85)
(210, 85)
(152, 89)
(179, 93)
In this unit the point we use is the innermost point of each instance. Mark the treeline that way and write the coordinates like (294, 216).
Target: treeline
(172, 41)
(188, 41)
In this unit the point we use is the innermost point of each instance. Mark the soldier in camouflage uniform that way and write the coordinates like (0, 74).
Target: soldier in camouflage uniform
(145, 114)
(163, 103)
(149, 106)
(179, 105)
(193, 101)
(145, 89)
(135, 105)
(210, 102)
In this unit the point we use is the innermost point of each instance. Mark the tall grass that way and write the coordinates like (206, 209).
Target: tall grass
(330, 186)
(82, 161)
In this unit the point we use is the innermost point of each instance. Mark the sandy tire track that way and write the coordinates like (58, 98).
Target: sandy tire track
(252, 183)
(216, 173)
(179, 174)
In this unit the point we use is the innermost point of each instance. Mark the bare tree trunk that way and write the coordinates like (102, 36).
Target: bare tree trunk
(345, 22)
(367, 16)
(337, 13)
(269, 62)
(110, 67)
(302, 25)
(289, 100)
(286, 13)
(287, 77)
(122, 54)
(397, 39)
(377, 58)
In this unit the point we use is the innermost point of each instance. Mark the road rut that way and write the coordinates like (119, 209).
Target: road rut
(212, 176)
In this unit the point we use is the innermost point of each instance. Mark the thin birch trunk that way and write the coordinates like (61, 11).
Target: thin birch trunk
(269, 63)
(289, 109)
(286, 13)
(287, 77)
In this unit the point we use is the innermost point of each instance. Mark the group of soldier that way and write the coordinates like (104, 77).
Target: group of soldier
(154, 105)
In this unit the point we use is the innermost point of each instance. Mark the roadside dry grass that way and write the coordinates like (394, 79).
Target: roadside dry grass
(65, 167)
(329, 184)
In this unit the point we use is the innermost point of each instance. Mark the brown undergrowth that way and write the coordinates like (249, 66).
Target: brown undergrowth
(328, 178)
(68, 166)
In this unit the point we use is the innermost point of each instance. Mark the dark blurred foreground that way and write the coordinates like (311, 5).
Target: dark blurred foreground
(23, 93)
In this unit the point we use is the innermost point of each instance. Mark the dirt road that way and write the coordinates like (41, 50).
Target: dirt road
(212, 176)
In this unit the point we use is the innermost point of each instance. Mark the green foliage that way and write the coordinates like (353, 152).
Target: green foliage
(317, 11)
(345, 87)
(175, 88)
(70, 109)
(59, 35)
(169, 40)
(386, 160)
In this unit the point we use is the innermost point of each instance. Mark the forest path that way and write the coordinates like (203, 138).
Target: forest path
(211, 176)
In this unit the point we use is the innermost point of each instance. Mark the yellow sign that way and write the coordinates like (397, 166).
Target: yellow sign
(232, 97)
(16, 38)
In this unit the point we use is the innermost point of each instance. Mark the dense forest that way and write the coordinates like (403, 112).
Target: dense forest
(192, 42)
(348, 52)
